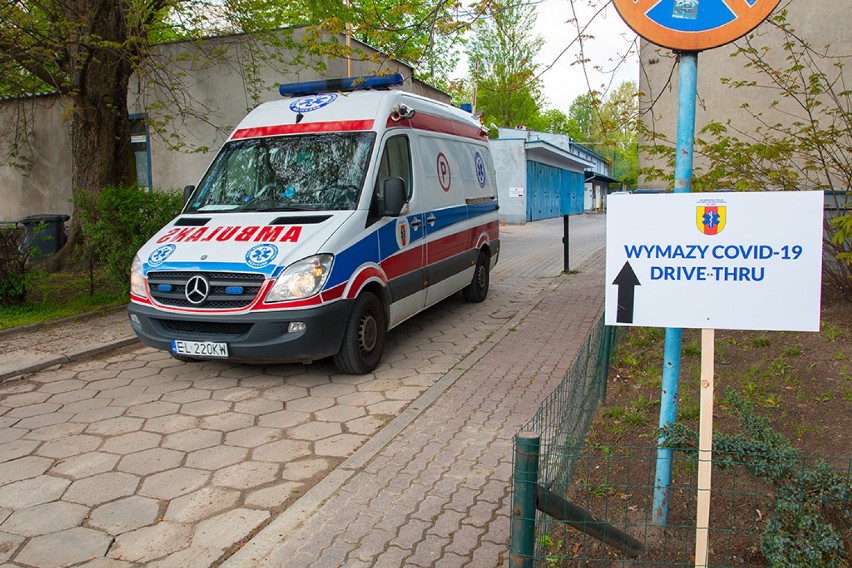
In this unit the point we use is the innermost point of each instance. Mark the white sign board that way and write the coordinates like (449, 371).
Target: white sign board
(715, 260)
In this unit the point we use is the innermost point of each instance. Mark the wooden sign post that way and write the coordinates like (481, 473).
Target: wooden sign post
(705, 447)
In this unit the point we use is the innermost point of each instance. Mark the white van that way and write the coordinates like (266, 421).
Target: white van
(328, 218)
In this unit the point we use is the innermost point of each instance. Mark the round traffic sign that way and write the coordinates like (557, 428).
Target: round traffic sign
(693, 25)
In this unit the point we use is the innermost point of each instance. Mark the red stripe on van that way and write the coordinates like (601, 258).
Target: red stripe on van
(432, 123)
(306, 127)
(457, 243)
(403, 263)
(362, 277)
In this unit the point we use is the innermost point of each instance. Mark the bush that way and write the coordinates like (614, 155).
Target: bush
(16, 272)
(811, 517)
(119, 220)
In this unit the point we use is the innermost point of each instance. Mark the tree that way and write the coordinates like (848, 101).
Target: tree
(610, 128)
(87, 50)
(552, 120)
(581, 115)
(617, 131)
(502, 54)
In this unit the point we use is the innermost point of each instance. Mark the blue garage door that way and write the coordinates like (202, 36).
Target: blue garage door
(552, 192)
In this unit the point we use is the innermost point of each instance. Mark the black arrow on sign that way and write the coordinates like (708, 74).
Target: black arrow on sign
(626, 282)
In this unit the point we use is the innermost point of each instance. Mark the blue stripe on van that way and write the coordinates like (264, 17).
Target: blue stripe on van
(351, 258)
(477, 209)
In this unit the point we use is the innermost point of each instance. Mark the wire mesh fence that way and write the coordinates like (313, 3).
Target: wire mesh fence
(772, 508)
(802, 518)
(563, 418)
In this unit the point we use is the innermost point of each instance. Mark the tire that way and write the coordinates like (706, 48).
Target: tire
(477, 290)
(364, 338)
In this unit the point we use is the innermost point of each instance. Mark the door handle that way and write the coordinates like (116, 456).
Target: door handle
(431, 219)
(415, 224)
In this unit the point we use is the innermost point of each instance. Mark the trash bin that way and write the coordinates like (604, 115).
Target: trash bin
(46, 233)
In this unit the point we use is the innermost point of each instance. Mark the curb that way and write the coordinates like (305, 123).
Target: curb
(63, 359)
(70, 319)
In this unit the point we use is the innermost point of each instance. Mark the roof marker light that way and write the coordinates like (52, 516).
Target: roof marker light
(344, 84)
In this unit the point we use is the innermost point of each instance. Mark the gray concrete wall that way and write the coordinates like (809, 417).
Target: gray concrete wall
(820, 22)
(510, 165)
(210, 82)
(38, 179)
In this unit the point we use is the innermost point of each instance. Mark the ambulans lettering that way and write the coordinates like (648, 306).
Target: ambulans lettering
(246, 233)
(227, 233)
(253, 233)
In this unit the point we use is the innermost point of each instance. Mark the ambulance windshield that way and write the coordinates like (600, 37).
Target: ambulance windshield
(286, 173)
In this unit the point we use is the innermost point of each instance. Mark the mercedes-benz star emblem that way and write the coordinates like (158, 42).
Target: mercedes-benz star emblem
(197, 289)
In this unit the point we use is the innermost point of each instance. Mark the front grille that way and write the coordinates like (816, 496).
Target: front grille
(228, 290)
(206, 327)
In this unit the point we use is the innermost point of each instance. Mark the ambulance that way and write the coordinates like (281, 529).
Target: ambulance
(328, 217)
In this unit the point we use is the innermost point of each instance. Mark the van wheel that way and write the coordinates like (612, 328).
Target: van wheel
(477, 290)
(364, 338)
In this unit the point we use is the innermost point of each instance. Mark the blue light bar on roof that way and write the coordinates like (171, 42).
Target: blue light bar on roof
(344, 84)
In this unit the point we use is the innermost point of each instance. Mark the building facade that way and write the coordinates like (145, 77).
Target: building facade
(542, 175)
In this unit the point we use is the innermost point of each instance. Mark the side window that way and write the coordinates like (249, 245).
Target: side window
(395, 162)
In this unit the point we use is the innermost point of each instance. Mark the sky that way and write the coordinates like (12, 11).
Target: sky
(612, 40)
(563, 82)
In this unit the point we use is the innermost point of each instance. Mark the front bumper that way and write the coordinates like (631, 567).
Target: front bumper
(253, 337)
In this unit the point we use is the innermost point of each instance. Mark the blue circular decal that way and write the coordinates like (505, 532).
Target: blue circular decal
(479, 165)
(160, 255)
(312, 102)
(260, 255)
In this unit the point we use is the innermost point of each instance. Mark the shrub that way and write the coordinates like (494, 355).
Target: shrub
(811, 516)
(16, 272)
(119, 220)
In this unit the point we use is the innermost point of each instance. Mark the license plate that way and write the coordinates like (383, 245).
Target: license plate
(206, 349)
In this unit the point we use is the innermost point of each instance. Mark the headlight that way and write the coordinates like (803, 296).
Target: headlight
(301, 279)
(137, 281)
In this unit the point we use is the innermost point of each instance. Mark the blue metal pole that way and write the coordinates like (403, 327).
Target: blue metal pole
(687, 91)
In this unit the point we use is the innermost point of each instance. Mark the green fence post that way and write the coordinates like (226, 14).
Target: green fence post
(525, 481)
(606, 354)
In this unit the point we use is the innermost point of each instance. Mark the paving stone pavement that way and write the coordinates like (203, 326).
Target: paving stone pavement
(132, 458)
(438, 494)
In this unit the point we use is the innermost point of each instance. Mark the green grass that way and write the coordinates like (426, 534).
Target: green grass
(792, 351)
(693, 348)
(61, 295)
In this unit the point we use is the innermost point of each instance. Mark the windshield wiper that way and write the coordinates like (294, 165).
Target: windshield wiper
(276, 208)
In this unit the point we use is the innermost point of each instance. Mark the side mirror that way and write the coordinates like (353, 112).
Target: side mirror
(187, 193)
(393, 197)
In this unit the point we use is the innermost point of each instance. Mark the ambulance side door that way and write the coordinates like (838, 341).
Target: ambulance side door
(402, 240)
(447, 267)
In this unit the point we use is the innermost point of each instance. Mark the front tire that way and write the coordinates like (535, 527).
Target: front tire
(477, 290)
(364, 338)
